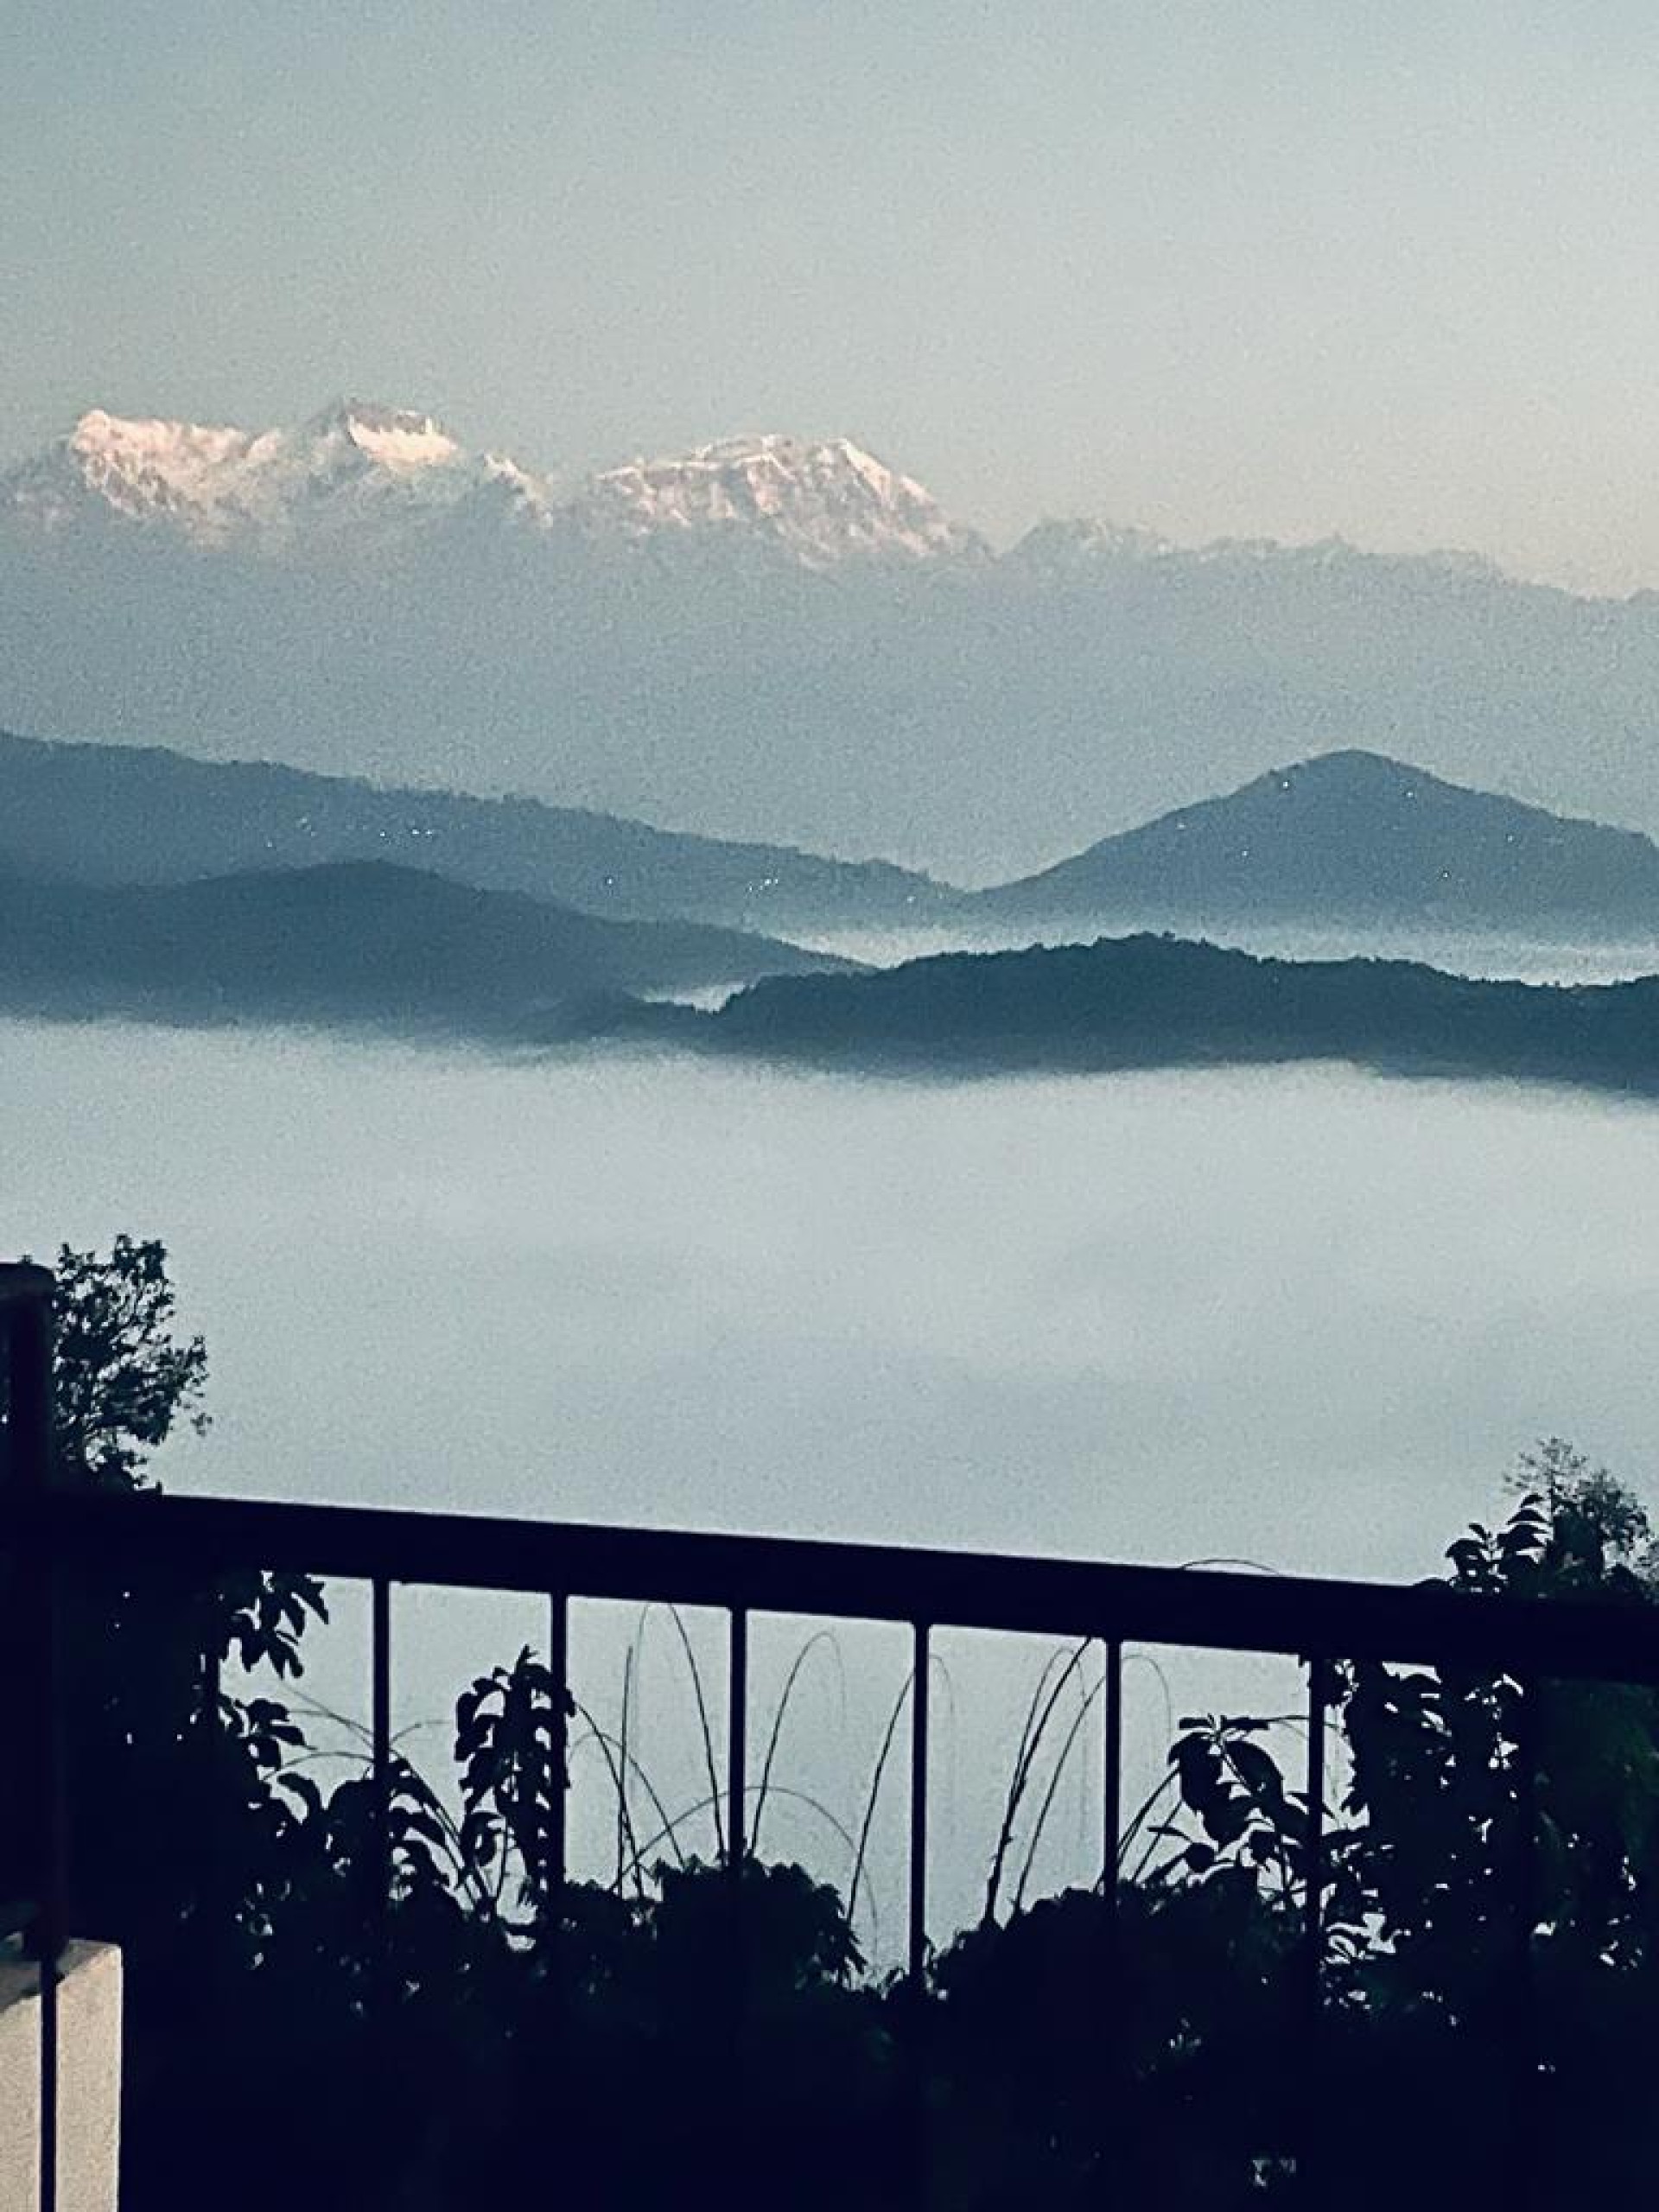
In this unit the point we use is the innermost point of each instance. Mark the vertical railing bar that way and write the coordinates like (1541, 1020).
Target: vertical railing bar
(1112, 1772)
(734, 1999)
(917, 1948)
(558, 1668)
(380, 1737)
(50, 2072)
(1314, 1928)
(1318, 1700)
(217, 1875)
(1523, 2162)
(1111, 1848)
(737, 1740)
(555, 1843)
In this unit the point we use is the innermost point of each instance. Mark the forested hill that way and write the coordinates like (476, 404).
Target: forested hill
(359, 943)
(121, 814)
(1352, 839)
(1151, 1002)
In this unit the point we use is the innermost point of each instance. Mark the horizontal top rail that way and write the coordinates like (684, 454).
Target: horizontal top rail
(1302, 1617)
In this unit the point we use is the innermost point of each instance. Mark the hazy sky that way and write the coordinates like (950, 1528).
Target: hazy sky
(1288, 267)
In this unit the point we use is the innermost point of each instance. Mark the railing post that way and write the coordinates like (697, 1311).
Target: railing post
(1113, 2037)
(1311, 2119)
(558, 1668)
(1525, 2187)
(737, 1747)
(1112, 1775)
(381, 1778)
(554, 1850)
(734, 1997)
(916, 1934)
(26, 1324)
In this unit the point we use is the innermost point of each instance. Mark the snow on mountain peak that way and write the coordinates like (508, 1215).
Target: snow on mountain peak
(137, 466)
(1081, 547)
(99, 433)
(822, 502)
(1058, 545)
(359, 468)
(396, 437)
(209, 483)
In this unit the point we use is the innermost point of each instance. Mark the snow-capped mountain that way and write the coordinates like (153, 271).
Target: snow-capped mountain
(767, 636)
(216, 484)
(1062, 546)
(359, 474)
(1081, 547)
(357, 464)
(821, 504)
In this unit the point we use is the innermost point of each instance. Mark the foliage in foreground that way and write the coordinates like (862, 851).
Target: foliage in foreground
(693, 2033)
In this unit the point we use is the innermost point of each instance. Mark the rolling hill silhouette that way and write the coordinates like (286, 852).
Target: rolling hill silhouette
(118, 814)
(360, 943)
(1151, 1002)
(1352, 838)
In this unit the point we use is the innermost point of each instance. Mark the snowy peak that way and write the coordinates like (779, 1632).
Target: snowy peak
(393, 437)
(360, 469)
(141, 469)
(1084, 548)
(824, 504)
(1085, 544)
(354, 435)
(1056, 547)
(214, 483)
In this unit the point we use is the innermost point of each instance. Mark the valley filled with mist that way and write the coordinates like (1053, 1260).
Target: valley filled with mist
(1306, 1318)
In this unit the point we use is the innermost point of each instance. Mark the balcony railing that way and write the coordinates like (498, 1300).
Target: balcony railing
(55, 1534)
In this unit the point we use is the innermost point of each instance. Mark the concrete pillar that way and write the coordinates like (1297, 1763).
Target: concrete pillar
(89, 2080)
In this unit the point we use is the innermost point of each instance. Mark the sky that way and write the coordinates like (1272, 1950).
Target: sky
(1293, 269)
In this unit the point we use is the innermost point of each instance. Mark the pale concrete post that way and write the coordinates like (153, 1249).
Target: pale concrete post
(60, 2002)
(89, 2080)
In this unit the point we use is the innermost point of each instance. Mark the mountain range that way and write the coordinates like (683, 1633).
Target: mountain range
(783, 639)
(1144, 1002)
(359, 471)
(144, 883)
(1348, 842)
(352, 943)
(119, 814)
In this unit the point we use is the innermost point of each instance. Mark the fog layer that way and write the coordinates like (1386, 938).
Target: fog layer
(1306, 1317)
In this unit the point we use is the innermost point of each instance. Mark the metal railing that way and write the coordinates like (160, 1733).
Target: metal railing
(1313, 1621)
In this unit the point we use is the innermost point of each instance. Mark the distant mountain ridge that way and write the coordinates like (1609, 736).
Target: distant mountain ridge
(1349, 841)
(1145, 1002)
(126, 815)
(362, 466)
(256, 893)
(822, 503)
(359, 463)
(1352, 839)
(211, 482)
(783, 639)
(358, 943)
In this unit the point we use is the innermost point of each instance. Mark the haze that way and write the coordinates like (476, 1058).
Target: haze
(658, 1290)
(1308, 1319)
(1288, 270)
